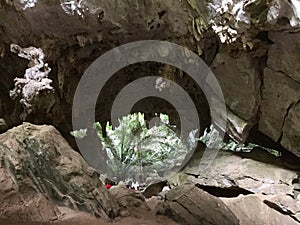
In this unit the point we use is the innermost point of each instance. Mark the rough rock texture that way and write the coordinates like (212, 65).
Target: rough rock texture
(250, 70)
(239, 78)
(72, 43)
(71, 47)
(252, 210)
(39, 170)
(127, 198)
(259, 188)
(133, 205)
(72, 217)
(277, 88)
(283, 55)
(138, 216)
(284, 204)
(242, 174)
(189, 205)
(281, 93)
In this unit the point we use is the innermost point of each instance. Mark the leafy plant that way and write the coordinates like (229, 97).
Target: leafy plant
(145, 154)
(212, 139)
(141, 153)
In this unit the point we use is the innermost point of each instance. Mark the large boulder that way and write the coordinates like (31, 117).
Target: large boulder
(251, 209)
(284, 204)
(250, 70)
(134, 207)
(281, 94)
(240, 173)
(127, 198)
(239, 78)
(189, 205)
(40, 171)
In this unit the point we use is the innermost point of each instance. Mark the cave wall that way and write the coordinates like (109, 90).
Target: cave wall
(71, 43)
(260, 82)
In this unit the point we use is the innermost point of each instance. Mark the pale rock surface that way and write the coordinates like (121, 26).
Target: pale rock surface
(251, 210)
(39, 170)
(231, 171)
(189, 205)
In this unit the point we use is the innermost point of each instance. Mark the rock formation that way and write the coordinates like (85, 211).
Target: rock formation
(191, 206)
(40, 171)
(252, 47)
(256, 67)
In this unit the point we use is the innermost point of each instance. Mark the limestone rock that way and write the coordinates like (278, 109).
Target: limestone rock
(72, 42)
(284, 204)
(39, 168)
(189, 205)
(131, 202)
(153, 203)
(283, 55)
(251, 209)
(231, 171)
(127, 197)
(279, 94)
(291, 130)
(239, 79)
(240, 82)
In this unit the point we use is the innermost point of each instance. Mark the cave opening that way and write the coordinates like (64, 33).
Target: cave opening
(152, 105)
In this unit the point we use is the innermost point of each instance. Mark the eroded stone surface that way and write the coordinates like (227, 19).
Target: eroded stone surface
(291, 130)
(251, 209)
(283, 55)
(38, 168)
(239, 78)
(189, 205)
(279, 94)
(231, 171)
(71, 43)
(240, 81)
(284, 204)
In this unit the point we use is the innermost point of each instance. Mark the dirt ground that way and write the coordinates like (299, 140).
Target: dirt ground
(138, 217)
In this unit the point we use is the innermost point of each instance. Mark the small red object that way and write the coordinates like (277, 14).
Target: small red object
(108, 186)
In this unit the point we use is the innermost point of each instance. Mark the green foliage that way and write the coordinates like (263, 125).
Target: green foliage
(79, 133)
(138, 152)
(212, 140)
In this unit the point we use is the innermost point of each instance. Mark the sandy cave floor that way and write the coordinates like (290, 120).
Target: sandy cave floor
(139, 216)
